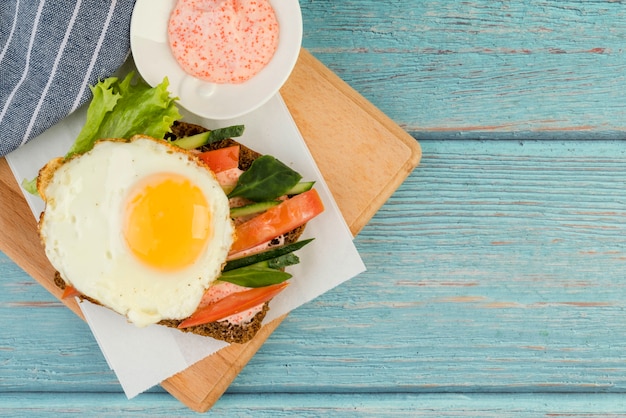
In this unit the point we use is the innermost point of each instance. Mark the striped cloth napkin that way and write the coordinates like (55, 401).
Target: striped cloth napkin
(50, 53)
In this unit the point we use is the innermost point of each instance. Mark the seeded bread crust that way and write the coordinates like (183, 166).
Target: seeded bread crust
(221, 330)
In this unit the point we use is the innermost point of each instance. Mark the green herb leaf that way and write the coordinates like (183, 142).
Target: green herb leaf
(126, 108)
(266, 255)
(225, 133)
(266, 179)
(255, 276)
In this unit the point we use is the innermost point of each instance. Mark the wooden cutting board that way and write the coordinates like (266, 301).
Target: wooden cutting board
(363, 155)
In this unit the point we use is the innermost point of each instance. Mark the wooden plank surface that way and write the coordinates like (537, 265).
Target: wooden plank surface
(340, 405)
(318, 100)
(445, 69)
(477, 284)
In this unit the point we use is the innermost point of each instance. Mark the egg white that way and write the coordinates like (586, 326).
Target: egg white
(83, 222)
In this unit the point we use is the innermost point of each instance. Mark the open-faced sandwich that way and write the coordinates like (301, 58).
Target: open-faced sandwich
(179, 226)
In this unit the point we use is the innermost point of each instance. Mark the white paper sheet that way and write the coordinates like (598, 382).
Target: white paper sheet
(143, 357)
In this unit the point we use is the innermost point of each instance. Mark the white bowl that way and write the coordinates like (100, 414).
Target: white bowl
(154, 61)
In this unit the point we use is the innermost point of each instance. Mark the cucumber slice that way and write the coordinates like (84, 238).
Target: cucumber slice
(267, 255)
(193, 141)
(303, 186)
(252, 208)
(277, 263)
(203, 138)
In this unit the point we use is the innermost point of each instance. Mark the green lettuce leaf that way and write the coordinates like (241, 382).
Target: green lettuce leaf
(30, 186)
(126, 108)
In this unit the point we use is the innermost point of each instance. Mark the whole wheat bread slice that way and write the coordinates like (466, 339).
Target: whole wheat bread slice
(222, 330)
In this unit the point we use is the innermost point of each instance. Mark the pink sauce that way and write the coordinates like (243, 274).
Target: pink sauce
(220, 290)
(223, 41)
(228, 178)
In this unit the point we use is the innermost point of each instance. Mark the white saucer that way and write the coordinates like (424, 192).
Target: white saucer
(154, 61)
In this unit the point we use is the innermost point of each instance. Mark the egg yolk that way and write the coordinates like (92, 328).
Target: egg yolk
(167, 221)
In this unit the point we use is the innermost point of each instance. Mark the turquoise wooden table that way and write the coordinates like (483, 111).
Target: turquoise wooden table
(496, 282)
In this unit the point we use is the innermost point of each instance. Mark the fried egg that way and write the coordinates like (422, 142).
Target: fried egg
(140, 226)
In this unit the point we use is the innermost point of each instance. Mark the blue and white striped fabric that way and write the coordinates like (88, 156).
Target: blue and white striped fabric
(50, 52)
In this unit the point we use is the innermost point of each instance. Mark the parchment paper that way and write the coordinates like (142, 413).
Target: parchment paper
(143, 357)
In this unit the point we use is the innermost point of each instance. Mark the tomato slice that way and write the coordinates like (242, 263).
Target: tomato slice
(277, 220)
(232, 304)
(69, 292)
(221, 159)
